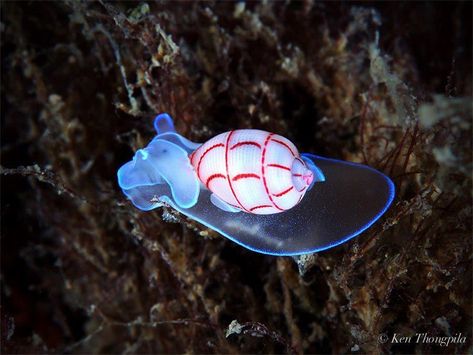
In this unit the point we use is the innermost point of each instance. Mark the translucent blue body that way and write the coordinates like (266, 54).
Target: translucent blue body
(347, 199)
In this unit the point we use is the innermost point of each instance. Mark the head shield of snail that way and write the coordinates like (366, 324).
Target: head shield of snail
(254, 188)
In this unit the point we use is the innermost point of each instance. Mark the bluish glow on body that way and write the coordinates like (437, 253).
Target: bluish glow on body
(351, 198)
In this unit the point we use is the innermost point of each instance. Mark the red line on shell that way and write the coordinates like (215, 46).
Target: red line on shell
(284, 144)
(245, 176)
(228, 174)
(214, 176)
(297, 175)
(283, 192)
(262, 171)
(203, 155)
(305, 187)
(279, 166)
(260, 206)
(246, 143)
(234, 205)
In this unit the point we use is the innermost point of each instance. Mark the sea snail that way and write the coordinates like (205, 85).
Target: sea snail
(254, 188)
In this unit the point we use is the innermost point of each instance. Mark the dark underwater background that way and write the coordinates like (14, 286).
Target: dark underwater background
(83, 271)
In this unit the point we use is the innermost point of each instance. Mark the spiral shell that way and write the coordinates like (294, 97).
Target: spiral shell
(256, 171)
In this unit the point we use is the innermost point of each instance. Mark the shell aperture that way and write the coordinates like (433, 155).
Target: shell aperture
(342, 199)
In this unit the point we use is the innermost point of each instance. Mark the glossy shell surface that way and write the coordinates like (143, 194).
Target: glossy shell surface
(253, 170)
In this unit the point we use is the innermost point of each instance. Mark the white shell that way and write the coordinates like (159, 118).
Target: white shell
(256, 171)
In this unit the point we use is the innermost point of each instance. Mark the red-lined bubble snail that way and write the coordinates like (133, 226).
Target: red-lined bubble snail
(255, 188)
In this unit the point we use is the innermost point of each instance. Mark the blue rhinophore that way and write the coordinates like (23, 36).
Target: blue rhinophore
(349, 198)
